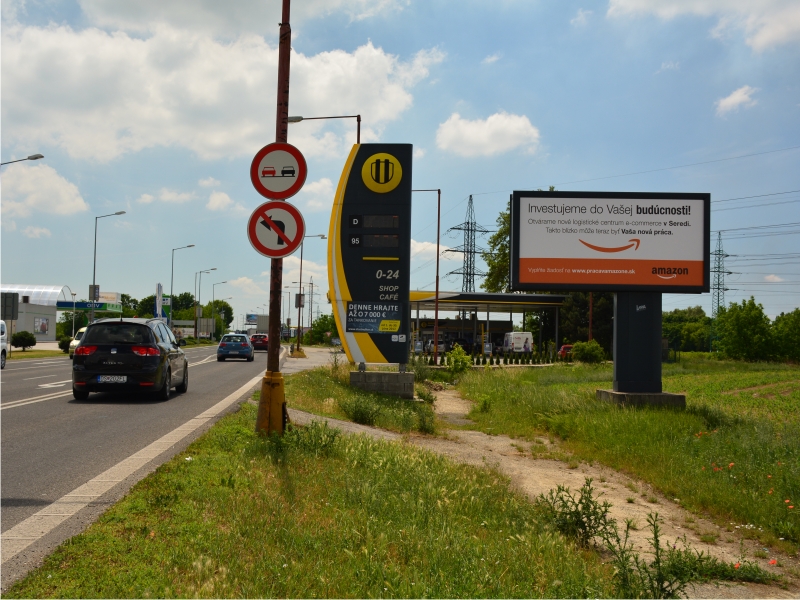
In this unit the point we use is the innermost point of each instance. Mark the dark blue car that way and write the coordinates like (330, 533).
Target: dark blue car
(235, 345)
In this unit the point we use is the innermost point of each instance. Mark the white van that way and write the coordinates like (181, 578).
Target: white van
(3, 345)
(518, 341)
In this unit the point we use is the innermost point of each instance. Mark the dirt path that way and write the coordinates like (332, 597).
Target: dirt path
(515, 459)
(534, 476)
(763, 387)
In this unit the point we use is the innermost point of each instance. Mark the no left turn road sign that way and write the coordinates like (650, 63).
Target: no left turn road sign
(276, 229)
(278, 171)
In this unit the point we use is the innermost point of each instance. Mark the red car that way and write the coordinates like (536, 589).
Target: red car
(566, 350)
(260, 341)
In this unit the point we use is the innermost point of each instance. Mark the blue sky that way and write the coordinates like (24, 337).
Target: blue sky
(157, 108)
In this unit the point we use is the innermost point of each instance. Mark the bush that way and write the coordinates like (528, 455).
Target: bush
(588, 352)
(360, 409)
(786, 333)
(457, 360)
(64, 343)
(744, 331)
(23, 339)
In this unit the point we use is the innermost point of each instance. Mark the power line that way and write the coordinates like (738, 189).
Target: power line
(755, 205)
(705, 162)
(757, 196)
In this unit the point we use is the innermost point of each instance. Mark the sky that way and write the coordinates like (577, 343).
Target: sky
(157, 108)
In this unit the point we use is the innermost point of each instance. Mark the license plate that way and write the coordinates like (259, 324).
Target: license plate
(233, 352)
(112, 378)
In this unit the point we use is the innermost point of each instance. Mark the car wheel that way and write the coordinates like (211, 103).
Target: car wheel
(163, 393)
(252, 357)
(181, 389)
(220, 358)
(3, 361)
(80, 394)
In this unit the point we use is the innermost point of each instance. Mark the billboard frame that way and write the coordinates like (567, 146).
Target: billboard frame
(514, 257)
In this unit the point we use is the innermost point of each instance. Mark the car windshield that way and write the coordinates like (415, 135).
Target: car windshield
(79, 335)
(234, 338)
(118, 333)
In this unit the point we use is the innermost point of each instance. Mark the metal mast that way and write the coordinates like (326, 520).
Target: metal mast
(718, 288)
(468, 248)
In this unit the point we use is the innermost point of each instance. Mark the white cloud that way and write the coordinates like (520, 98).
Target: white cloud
(499, 133)
(766, 23)
(248, 287)
(492, 58)
(669, 65)
(209, 182)
(580, 19)
(422, 251)
(738, 98)
(219, 201)
(9, 225)
(419, 152)
(225, 18)
(36, 232)
(167, 195)
(773, 278)
(291, 268)
(39, 188)
(318, 195)
(99, 95)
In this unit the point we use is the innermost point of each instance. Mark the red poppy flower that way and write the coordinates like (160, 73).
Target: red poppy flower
(737, 565)
(773, 562)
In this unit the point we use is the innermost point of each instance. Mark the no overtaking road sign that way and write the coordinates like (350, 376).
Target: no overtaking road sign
(276, 229)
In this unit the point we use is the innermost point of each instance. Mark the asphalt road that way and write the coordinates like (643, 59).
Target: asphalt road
(52, 443)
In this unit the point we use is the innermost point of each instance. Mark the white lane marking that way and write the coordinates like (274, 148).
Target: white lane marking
(11, 370)
(16, 403)
(39, 377)
(205, 360)
(23, 534)
(54, 384)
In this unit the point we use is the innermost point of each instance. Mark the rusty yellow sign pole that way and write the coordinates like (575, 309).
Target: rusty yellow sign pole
(272, 414)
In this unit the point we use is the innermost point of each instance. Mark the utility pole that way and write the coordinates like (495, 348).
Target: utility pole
(272, 413)
(718, 288)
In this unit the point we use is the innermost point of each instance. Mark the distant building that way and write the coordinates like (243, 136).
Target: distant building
(37, 309)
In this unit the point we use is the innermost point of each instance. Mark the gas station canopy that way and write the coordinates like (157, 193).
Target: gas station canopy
(482, 301)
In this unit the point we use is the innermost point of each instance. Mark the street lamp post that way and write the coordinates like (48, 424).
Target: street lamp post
(300, 283)
(94, 264)
(31, 157)
(356, 117)
(171, 278)
(197, 295)
(213, 307)
(436, 300)
(73, 309)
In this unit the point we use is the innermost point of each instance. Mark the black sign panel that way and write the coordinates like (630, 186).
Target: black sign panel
(374, 229)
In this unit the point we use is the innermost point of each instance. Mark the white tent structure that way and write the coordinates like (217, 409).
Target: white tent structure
(37, 308)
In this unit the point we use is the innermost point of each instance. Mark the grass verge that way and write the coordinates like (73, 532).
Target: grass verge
(734, 453)
(316, 514)
(20, 355)
(326, 391)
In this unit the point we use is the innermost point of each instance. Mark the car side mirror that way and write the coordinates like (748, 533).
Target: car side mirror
(181, 342)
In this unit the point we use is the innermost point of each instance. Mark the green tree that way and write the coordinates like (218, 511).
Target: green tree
(222, 312)
(23, 339)
(786, 333)
(183, 301)
(323, 329)
(64, 325)
(130, 306)
(687, 329)
(497, 257)
(146, 308)
(744, 331)
(574, 319)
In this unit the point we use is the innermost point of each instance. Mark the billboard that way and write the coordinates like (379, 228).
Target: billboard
(369, 253)
(250, 319)
(610, 241)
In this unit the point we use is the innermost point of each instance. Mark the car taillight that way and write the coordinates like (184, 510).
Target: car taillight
(145, 350)
(222, 344)
(85, 350)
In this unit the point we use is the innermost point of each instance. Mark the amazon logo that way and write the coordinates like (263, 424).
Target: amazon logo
(634, 242)
(669, 272)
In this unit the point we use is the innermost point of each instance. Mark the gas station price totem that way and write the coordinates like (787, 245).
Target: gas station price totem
(369, 253)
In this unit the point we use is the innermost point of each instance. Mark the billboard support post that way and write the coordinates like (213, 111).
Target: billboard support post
(637, 342)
